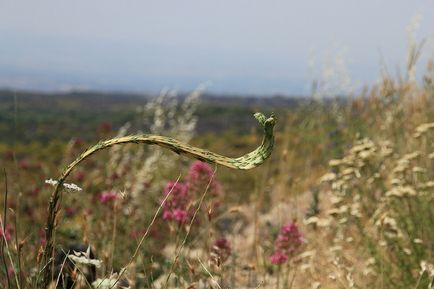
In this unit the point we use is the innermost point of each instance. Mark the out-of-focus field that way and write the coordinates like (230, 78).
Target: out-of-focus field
(345, 201)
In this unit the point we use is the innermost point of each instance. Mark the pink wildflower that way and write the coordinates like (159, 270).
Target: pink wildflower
(224, 247)
(278, 258)
(69, 211)
(107, 197)
(223, 244)
(221, 251)
(8, 232)
(289, 239)
(200, 174)
(200, 170)
(180, 216)
(175, 207)
(287, 243)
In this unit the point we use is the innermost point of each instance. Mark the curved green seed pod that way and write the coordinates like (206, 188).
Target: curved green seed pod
(248, 161)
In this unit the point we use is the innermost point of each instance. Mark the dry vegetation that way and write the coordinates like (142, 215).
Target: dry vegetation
(345, 201)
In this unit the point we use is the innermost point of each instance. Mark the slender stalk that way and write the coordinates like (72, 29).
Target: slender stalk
(10, 260)
(209, 273)
(115, 218)
(148, 229)
(3, 231)
(287, 272)
(8, 252)
(279, 270)
(19, 247)
(293, 278)
(193, 218)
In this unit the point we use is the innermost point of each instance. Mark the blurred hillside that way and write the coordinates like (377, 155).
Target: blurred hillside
(43, 117)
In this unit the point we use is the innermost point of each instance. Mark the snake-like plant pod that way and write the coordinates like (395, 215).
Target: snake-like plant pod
(245, 162)
(248, 161)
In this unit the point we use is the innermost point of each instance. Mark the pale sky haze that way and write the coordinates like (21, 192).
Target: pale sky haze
(241, 46)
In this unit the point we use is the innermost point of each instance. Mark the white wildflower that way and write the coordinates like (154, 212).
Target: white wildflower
(51, 182)
(84, 258)
(71, 186)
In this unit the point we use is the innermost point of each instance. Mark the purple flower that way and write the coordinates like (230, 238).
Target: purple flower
(200, 170)
(176, 206)
(179, 196)
(200, 175)
(107, 197)
(288, 241)
(180, 216)
(221, 251)
(278, 258)
(7, 234)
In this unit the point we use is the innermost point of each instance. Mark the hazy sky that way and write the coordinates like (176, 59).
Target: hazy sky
(247, 46)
